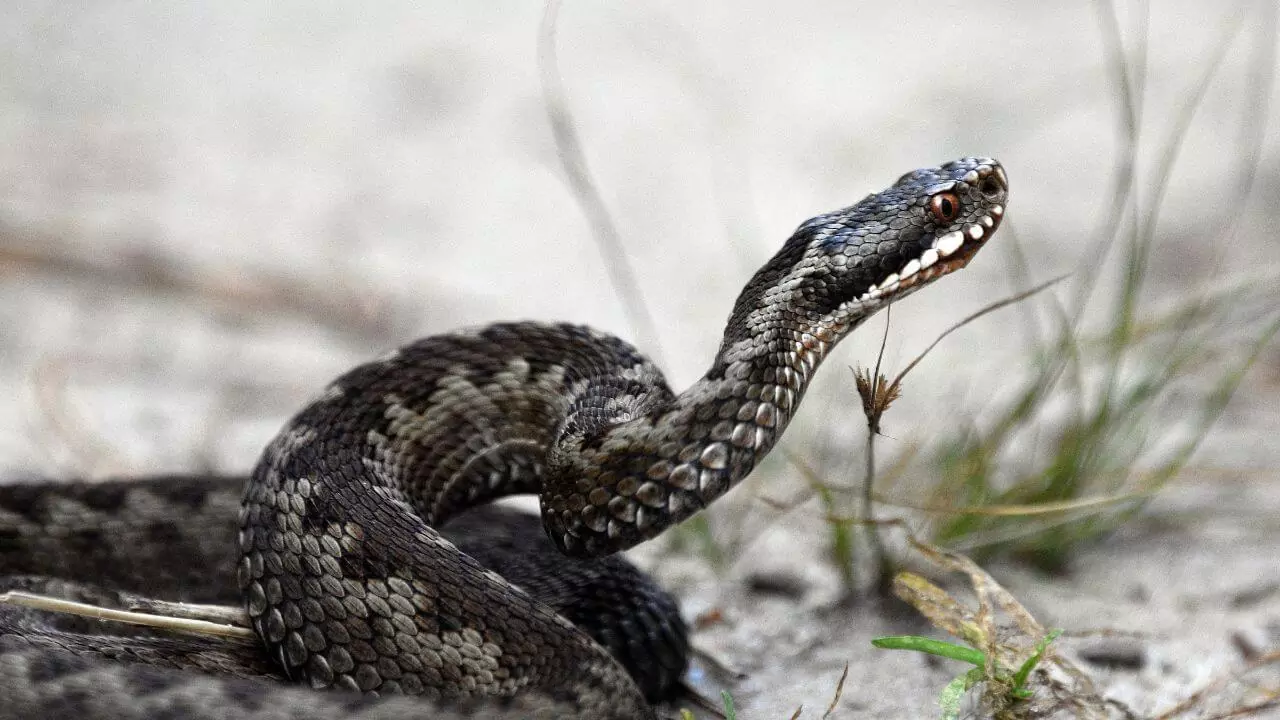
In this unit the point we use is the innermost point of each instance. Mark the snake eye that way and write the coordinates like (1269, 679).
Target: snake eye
(945, 207)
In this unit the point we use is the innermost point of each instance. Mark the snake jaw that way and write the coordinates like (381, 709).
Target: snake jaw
(948, 253)
(985, 187)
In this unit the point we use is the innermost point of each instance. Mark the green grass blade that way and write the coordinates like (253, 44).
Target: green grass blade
(933, 647)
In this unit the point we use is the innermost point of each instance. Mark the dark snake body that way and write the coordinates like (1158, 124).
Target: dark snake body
(350, 585)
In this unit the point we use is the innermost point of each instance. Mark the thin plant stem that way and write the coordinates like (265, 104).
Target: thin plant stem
(574, 161)
(880, 563)
(884, 576)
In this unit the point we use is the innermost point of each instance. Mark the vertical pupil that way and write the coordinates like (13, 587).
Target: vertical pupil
(946, 207)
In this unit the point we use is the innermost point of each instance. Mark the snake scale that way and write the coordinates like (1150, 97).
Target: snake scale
(338, 553)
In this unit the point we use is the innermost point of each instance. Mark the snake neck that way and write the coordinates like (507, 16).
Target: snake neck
(672, 456)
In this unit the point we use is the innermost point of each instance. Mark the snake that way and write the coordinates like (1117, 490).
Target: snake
(338, 543)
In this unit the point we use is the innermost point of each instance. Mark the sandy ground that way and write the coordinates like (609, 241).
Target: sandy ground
(208, 210)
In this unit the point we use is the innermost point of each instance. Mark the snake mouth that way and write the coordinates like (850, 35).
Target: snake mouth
(948, 253)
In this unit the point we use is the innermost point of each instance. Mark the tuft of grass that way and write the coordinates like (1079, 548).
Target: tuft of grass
(1104, 447)
(1001, 639)
(1016, 674)
(1096, 416)
(985, 669)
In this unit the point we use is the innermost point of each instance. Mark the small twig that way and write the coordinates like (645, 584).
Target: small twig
(835, 700)
(218, 614)
(984, 311)
(875, 375)
(189, 624)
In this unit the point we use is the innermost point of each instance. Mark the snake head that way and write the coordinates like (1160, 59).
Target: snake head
(840, 267)
(930, 223)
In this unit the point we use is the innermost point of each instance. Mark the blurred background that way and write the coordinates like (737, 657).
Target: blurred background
(207, 211)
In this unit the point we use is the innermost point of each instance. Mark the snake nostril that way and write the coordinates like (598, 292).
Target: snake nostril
(990, 186)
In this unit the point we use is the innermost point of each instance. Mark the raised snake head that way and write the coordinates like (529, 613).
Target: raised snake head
(839, 268)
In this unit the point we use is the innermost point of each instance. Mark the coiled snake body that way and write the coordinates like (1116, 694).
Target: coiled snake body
(344, 574)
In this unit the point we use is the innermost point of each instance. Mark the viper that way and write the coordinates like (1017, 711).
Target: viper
(341, 553)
